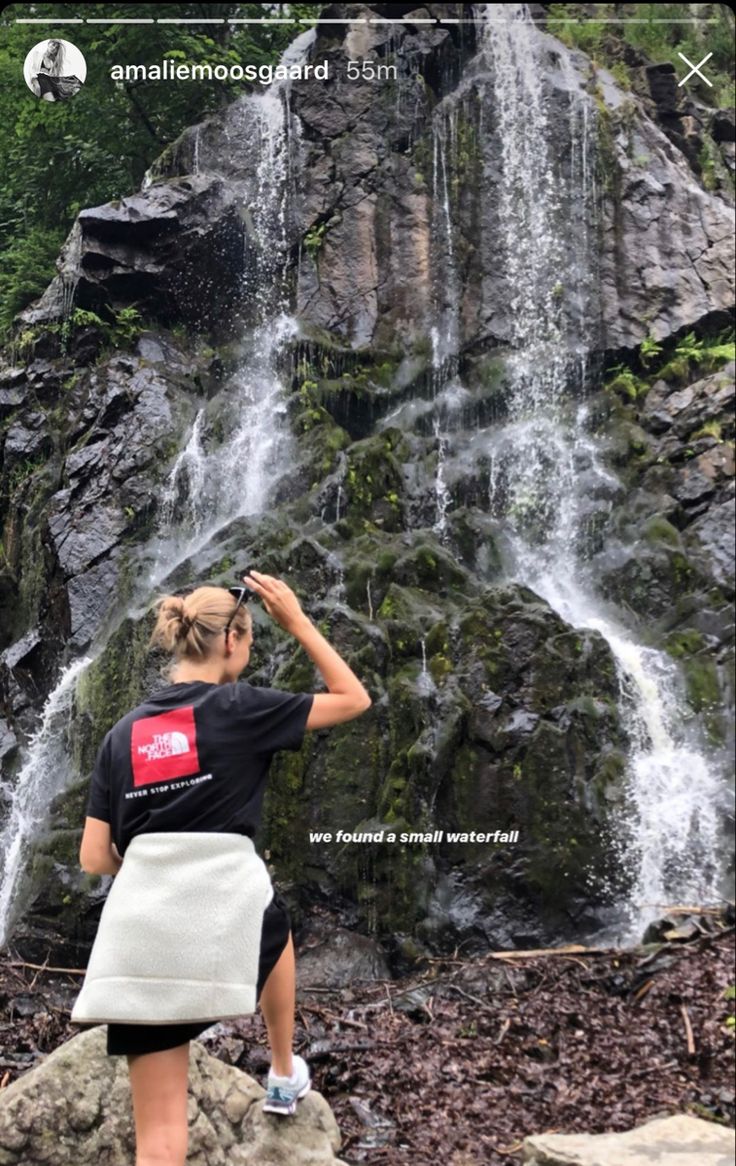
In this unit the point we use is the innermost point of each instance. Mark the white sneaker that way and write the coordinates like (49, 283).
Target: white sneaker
(284, 1092)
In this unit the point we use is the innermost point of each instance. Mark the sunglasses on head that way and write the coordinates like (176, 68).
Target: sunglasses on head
(242, 594)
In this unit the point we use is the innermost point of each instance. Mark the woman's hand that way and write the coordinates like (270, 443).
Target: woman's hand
(278, 599)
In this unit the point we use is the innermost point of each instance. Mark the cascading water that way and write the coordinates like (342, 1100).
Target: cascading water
(46, 772)
(444, 334)
(547, 486)
(235, 477)
(207, 488)
(669, 834)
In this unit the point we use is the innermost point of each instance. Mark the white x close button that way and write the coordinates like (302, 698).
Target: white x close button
(694, 69)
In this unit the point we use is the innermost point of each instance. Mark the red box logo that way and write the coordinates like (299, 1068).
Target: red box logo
(164, 747)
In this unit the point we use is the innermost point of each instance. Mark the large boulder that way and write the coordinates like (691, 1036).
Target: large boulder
(679, 1140)
(75, 1110)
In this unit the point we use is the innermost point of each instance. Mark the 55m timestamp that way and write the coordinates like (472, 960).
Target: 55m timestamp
(371, 71)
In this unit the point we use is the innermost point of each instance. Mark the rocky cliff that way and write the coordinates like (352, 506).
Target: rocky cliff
(379, 285)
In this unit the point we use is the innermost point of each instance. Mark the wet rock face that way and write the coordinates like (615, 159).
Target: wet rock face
(667, 277)
(82, 458)
(671, 545)
(176, 251)
(488, 711)
(369, 206)
(668, 547)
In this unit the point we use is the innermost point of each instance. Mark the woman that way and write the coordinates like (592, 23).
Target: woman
(194, 758)
(50, 84)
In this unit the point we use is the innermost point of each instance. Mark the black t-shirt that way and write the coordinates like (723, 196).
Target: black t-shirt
(194, 756)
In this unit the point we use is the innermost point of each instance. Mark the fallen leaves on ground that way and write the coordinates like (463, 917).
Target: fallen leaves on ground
(457, 1064)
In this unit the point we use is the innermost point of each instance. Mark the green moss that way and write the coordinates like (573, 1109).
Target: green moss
(490, 372)
(705, 696)
(440, 666)
(676, 370)
(684, 643)
(702, 683)
(314, 239)
(659, 530)
(387, 608)
(437, 639)
(374, 482)
(112, 685)
(711, 428)
(385, 563)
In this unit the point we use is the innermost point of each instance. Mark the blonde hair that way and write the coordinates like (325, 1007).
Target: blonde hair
(188, 625)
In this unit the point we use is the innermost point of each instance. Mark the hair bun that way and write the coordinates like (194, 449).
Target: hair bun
(174, 608)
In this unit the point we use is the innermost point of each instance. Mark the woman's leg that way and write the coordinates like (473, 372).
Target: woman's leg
(159, 1083)
(278, 1001)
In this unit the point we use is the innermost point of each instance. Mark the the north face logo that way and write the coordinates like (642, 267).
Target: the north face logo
(164, 747)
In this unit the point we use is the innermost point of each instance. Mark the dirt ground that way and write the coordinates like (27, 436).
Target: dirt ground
(459, 1062)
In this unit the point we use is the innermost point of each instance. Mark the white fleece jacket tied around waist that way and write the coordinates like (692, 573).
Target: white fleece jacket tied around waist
(179, 936)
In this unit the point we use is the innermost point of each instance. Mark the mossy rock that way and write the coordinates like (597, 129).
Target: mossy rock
(565, 849)
(112, 685)
(704, 695)
(684, 642)
(655, 580)
(323, 442)
(430, 568)
(472, 536)
(658, 529)
(405, 611)
(374, 482)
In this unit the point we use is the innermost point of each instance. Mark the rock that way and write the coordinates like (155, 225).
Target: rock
(26, 441)
(711, 542)
(342, 957)
(10, 399)
(8, 739)
(680, 1140)
(668, 281)
(175, 250)
(723, 126)
(684, 410)
(78, 1102)
(21, 652)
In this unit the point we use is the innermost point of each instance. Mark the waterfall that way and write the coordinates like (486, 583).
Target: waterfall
(46, 771)
(234, 477)
(210, 483)
(545, 472)
(184, 491)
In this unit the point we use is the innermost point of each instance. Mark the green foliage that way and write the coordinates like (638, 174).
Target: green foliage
(128, 324)
(23, 470)
(659, 31)
(709, 355)
(314, 238)
(709, 429)
(80, 318)
(27, 268)
(60, 156)
(563, 21)
(625, 381)
(648, 349)
(691, 356)
(689, 347)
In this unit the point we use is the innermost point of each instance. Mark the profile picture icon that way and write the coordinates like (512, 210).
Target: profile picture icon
(55, 70)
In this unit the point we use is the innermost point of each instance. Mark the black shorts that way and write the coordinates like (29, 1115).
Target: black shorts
(154, 1038)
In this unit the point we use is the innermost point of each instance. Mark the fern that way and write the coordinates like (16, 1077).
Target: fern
(648, 349)
(690, 347)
